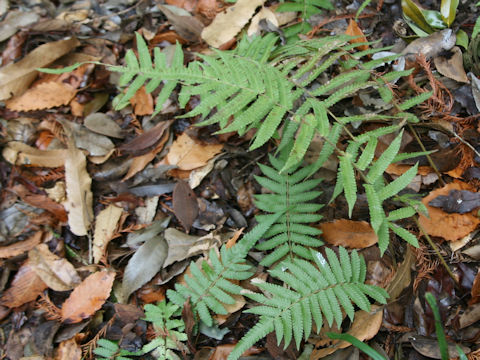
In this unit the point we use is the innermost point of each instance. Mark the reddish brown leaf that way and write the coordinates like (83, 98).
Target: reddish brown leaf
(42, 202)
(348, 233)
(26, 286)
(87, 297)
(185, 204)
(354, 30)
(21, 246)
(142, 144)
(142, 102)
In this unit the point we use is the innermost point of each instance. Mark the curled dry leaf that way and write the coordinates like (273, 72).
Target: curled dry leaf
(17, 153)
(79, 195)
(57, 273)
(189, 154)
(88, 297)
(229, 23)
(20, 247)
(349, 233)
(26, 286)
(449, 226)
(364, 327)
(16, 77)
(105, 225)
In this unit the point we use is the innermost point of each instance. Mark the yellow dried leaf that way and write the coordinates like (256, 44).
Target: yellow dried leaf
(105, 225)
(79, 194)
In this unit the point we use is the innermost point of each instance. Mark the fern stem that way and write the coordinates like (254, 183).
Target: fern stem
(429, 158)
(437, 251)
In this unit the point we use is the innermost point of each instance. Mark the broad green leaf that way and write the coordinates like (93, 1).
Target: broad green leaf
(412, 10)
(476, 28)
(448, 9)
(462, 39)
(434, 19)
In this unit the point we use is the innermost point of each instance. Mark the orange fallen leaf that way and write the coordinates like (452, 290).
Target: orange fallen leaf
(354, 30)
(449, 226)
(26, 286)
(189, 154)
(400, 169)
(142, 102)
(349, 233)
(88, 297)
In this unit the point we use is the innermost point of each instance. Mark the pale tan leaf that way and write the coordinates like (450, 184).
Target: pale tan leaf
(364, 327)
(105, 225)
(20, 247)
(26, 286)
(188, 154)
(451, 66)
(57, 273)
(69, 350)
(227, 24)
(16, 77)
(263, 14)
(42, 96)
(17, 153)
(79, 195)
(88, 297)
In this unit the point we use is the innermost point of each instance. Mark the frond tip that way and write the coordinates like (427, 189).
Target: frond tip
(310, 293)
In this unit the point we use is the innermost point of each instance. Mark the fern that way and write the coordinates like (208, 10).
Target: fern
(109, 350)
(313, 293)
(290, 198)
(169, 331)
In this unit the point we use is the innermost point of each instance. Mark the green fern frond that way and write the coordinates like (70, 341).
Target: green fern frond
(414, 101)
(109, 350)
(290, 196)
(306, 8)
(311, 292)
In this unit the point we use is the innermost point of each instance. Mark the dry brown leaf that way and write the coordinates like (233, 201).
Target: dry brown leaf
(21, 246)
(364, 327)
(449, 226)
(265, 14)
(354, 30)
(88, 297)
(17, 153)
(400, 169)
(231, 308)
(79, 195)
(185, 206)
(43, 96)
(188, 154)
(16, 77)
(105, 225)
(349, 233)
(142, 102)
(222, 351)
(451, 66)
(143, 143)
(475, 292)
(402, 277)
(26, 286)
(57, 273)
(69, 350)
(229, 23)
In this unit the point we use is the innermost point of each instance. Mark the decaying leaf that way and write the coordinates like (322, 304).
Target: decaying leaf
(143, 143)
(16, 77)
(79, 195)
(431, 45)
(105, 225)
(402, 277)
(95, 144)
(88, 297)
(142, 102)
(449, 226)
(188, 154)
(26, 286)
(185, 204)
(102, 124)
(451, 66)
(187, 26)
(348, 233)
(229, 23)
(57, 273)
(144, 264)
(69, 350)
(364, 327)
(17, 153)
(457, 201)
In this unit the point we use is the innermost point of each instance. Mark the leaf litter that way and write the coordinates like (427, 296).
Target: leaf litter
(102, 207)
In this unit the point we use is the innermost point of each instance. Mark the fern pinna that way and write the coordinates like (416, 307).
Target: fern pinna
(309, 292)
(291, 196)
